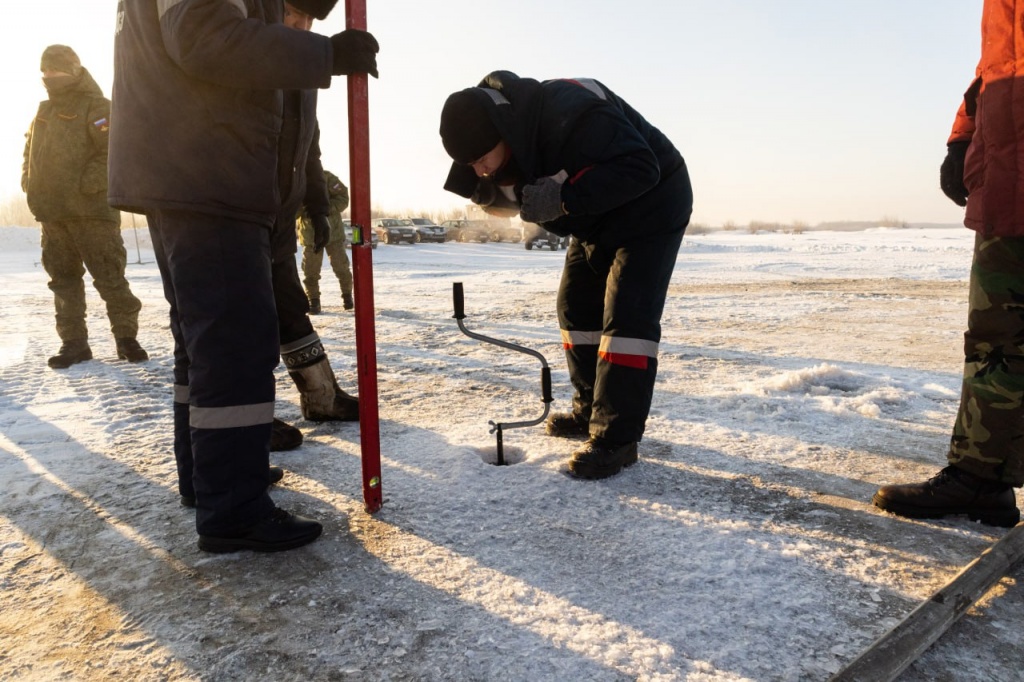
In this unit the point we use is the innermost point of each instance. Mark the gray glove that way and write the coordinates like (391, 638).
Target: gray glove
(542, 201)
(321, 232)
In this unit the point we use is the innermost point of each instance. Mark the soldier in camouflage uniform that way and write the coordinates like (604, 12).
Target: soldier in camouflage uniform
(982, 171)
(312, 260)
(64, 176)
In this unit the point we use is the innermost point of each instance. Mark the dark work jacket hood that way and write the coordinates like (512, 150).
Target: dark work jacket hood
(612, 157)
(197, 104)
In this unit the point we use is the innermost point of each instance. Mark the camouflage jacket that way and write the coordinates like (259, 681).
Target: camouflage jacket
(338, 195)
(64, 172)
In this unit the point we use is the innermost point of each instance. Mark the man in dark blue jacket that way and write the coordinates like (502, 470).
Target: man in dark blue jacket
(196, 119)
(572, 156)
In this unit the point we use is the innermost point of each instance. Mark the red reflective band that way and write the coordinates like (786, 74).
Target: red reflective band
(625, 360)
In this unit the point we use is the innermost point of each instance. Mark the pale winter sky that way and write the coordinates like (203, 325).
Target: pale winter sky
(784, 109)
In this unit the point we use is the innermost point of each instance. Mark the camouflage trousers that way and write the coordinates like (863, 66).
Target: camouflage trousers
(312, 262)
(988, 437)
(69, 249)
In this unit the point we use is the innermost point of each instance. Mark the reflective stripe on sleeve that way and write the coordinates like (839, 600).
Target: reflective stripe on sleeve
(180, 393)
(589, 84)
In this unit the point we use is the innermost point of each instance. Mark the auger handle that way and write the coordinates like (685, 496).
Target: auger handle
(459, 300)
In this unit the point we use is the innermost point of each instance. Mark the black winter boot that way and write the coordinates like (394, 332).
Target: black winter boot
(314, 306)
(952, 491)
(568, 425)
(346, 300)
(130, 350)
(71, 353)
(276, 533)
(284, 436)
(600, 458)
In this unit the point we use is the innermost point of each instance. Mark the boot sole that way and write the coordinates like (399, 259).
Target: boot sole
(1004, 518)
(65, 365)
(590, 473)
(226, 545)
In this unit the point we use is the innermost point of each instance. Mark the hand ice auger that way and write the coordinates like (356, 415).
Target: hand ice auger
(545, 372)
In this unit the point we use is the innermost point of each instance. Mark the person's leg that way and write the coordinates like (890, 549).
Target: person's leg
(986, 453)
(102, 249)
(338, 254)
(219, 272)
(988, 435)
(182, 429)
(63, 264)
(103, 253)
(580, 313)
(320, 397)
(290, 301)
(627, 364)
(312, 262)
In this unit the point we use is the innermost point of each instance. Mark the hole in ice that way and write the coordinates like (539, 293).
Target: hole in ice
(489, 454)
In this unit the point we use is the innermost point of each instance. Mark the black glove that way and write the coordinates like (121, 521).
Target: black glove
(542, 201)
(321, 232)
(355, 51)
(951, 174)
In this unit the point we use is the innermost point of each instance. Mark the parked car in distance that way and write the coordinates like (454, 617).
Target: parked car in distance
(536, 236)
(502, 230)
(394, 230)
(428, 231)
(467, 230)
(347, 225)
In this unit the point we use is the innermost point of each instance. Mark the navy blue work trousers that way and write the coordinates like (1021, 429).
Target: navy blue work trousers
(217, 279)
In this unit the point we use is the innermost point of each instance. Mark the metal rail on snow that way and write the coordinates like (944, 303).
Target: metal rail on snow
(362, 271)
(545, 372)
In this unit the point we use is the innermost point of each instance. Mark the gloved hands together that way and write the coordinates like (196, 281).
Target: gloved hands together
(321, 232)
(951, 174)
(542, 201)
(355, 51)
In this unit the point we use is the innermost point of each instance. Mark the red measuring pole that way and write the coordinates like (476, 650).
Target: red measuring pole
(362, 270)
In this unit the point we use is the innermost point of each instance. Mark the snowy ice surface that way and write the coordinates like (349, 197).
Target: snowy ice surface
(797, 373)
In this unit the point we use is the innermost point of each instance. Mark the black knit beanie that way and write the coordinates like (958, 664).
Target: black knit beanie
(60, 58)
(317, 8)
(467, 132)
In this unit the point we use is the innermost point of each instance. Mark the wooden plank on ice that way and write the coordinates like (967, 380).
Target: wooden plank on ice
(894, 651)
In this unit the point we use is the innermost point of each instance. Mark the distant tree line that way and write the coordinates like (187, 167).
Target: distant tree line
(14, 212)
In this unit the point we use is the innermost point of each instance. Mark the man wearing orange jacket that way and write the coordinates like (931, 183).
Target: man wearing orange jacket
(984, 171)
